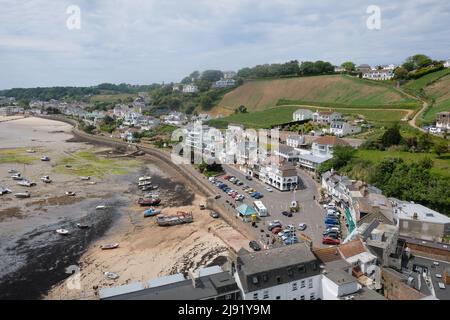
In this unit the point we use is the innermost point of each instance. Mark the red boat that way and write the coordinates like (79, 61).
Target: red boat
(149, 202)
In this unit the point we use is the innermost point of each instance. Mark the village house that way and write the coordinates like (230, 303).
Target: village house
(443, 121)
(323, 146)
(296, 141)
(326, 117)
(363, 68)
(190, 88)
(341, 128)
(281, 176)
(174, 118)
(417, 221)
(224, 83)
(302, 115)
(382, 74)
(229, 74)
(447, 63)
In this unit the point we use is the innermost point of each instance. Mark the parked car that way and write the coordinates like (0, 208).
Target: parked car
(331, 223)
(274, 224)
(213, 214)
(212, 179)
(269, 189)
(248, 178)
(276, 230)
(328, 240)
(240, 183)
(290, 240)
(335, 229)
(218, 196)
(333, 235)
(302, 226)
(287, 214)
(254, 245)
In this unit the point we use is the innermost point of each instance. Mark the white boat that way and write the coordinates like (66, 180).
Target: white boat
(144, 183)
(111, 275)
(62, 232)
(70, 193)
(46, 179)
(22, 195)
(13, 171)
(45, 158)
(102, 207)
(4, 191)
(109, 246)
(26, 183)
(17, 176)
(85, 178)
(31, 151)
(144, 178)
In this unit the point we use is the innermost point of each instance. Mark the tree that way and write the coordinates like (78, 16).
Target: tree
(424, 142)
(401, 73)
(391, 137)
(349, 66)
(342, 155)
(206, 102)
(241, 109)
(417, 61)
(194, 75)
(408, 66)
(440, 148)
(211, 75)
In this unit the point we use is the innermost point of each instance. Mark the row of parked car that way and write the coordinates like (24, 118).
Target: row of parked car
(251, 191)
(225, 188)
(332, 233)
(286, 234)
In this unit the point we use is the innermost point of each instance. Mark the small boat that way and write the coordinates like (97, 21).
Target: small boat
(13, 171)
(144, 183)
(46, 179)
(45, 158)
(22, 195)
(26, 183)
(31, 151)
(70, 194)
(62, 232)
(144, 178)
(111, 275)
(149, 202)
(102, 207)
(4, 191)
(109, 246)
(155, 187)
(179, 218)
(17, 176)
(82, 226)
(151, 195)
(146, 188)
(85, 178)
(151, 213)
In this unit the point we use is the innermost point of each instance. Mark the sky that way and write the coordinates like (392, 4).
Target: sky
(151, 41)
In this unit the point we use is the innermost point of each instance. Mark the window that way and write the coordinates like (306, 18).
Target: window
(255, 296)
(278, 298)
(266, 294)
(301, 268)
(290, 272)
(302, 284)
(312, 296)
(310, 283)
(255, 280)
(313, 265)
(264, 277)
(405, 224)
(278, 279)
(294, 286)
(302, 297)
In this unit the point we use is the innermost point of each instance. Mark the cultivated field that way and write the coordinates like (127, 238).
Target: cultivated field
(440, 92)
(263, 94)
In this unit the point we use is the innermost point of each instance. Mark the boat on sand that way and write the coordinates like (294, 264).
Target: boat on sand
(172, 220)
(109, 246)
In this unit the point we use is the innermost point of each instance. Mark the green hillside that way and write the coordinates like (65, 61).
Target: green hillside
(336, 89)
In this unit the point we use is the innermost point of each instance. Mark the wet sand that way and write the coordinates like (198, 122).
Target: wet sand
(33, 258)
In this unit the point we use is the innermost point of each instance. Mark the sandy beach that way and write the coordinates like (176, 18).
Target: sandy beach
(32, 251)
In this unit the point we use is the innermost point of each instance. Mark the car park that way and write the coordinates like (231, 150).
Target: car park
(328, 240)
(254, 245)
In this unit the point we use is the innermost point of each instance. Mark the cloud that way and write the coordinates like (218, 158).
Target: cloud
(145, 41)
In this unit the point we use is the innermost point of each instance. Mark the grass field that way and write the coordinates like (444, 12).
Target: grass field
(87, 163)
(441, 165)
(439, 92)
(283, 114)
(338, 89)
(112, 98)
(17, 155)
(419, 84)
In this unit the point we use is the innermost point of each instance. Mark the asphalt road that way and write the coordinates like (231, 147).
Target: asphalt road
(276, 201)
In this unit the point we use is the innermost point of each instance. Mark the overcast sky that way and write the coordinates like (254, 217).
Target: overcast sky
(146, 41)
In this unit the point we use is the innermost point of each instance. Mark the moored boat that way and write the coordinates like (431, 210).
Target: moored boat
(12, 171)
(179, 218)
(144, 178)
(109, 246)
(22, 195)
(46, 179)
(111, 275)
(4, 191)
(151, 213)
(45, 158)
(85, 178)
(26, 183)
(63, 232)
(144, 183)
(101, 207)
(70, 194)
(149, 202)
(82, 226)
(17, 176)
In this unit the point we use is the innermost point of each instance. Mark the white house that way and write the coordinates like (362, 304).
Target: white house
(287, 273)
(224, 83)
(447, 64)
(326, 117)
(229, 74)
(283, 177)
(341, 128)
(302, 114)
(383, 74)
(295, 141)
(190, 88)
(323, 146)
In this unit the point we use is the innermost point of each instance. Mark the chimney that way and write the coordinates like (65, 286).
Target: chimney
(194, 277)
(415, 216)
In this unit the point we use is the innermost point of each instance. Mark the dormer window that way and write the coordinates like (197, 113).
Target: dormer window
(255, 280)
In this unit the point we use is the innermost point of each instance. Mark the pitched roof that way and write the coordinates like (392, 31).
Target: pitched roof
(331, 140)
(246, 210)
(352, 248)
(327, 254)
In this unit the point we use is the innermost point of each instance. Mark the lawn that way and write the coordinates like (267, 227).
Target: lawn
(283, 114)
(87, 163)
(112, 98)
(421, 83)
(17, 155)
(439, 92)
(441, 165)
